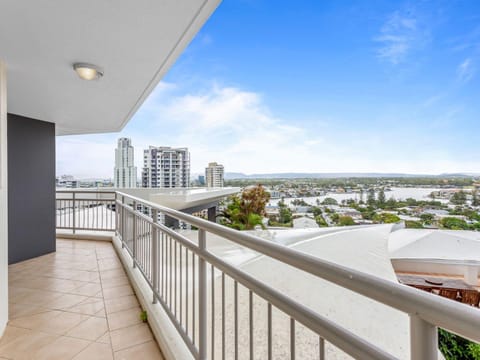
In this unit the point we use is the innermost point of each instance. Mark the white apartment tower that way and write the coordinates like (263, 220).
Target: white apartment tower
(125, 172)
(166, 167)
(214, 175)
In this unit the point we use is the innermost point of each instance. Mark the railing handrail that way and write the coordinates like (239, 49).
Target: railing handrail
(450, 315)
(94, 191)
(337, 335)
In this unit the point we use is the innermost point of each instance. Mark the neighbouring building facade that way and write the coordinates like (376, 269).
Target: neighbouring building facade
(214, 175)
(166, 167)
(125, 172)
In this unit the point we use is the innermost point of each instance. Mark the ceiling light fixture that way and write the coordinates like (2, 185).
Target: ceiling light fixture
(88, 71)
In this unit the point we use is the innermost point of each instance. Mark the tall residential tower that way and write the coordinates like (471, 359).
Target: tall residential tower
(125, 172)
(166, 167)
(214, 175)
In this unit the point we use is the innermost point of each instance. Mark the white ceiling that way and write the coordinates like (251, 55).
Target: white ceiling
(135, 42)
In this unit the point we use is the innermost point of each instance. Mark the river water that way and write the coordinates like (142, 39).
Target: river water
(396, 192)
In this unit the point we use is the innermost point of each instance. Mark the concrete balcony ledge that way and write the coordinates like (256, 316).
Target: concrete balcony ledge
(76, 303)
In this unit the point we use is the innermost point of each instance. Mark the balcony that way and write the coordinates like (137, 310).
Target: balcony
(203, 305)
(76, 303)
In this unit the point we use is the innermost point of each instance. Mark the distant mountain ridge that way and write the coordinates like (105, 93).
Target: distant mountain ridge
(239, 176)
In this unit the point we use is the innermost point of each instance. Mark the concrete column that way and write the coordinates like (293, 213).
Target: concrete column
(212, 214)
(3, 200)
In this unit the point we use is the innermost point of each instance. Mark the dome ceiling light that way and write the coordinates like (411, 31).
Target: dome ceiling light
(88, 71)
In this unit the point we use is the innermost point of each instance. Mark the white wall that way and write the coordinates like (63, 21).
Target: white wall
(3, 201)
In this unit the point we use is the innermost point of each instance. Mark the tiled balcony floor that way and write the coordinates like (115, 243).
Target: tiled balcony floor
(77, 304)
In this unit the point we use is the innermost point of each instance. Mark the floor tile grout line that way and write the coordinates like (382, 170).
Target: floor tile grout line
(105, 309)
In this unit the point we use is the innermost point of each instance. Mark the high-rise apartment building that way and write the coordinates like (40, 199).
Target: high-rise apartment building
(166, 167)
(214, 175)
(125, 172)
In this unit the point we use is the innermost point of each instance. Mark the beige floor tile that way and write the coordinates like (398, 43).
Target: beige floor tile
(146, 351)
(118, 291)
(96, 351)
(121, 303)
(65, 301)
(37, 297)
(16, 310)
(91, 329)
(89, 276)
(60, 349)
(105, 339)
(11, 333)
(52, 322)
(119, 281)
(124, 318)
(88, 289)
(61, 314)
(130, 336)
(90, 306)
(112, 274)
(25, 345)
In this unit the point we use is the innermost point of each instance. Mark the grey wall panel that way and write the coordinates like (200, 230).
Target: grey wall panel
(31, 188)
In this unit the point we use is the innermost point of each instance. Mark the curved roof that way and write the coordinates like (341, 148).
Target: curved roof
(452, 245)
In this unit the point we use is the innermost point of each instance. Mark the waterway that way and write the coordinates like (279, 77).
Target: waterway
(398, 193)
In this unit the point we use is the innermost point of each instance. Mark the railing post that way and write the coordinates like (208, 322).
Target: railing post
(154, 255)
(134, 232)
(116, 215)
(73, 213)
(423, 339)
(202, 297)
(123, 221)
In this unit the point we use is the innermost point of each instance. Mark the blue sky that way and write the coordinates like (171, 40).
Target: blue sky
(314, 86)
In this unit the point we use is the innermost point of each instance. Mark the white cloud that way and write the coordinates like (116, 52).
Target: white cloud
(465, 71)
(398, 37)
(236, 128)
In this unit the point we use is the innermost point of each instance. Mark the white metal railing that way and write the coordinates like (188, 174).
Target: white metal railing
(85, 210)
(204, 295)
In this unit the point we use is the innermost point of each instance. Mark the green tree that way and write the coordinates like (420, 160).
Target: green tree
(386, 218)
(246, 211)
(410, 224)
(329, 201)
(371, 197)
(454, 223)
(454, 347)
(475, 199)
(316, 211)
(345, 221)
(321, 221)
(458, 198)
(284, 213)
(391, 204)
(427, 218)
(381, 198)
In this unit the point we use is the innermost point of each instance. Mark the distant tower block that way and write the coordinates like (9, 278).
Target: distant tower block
(125, 172)
(214, 175)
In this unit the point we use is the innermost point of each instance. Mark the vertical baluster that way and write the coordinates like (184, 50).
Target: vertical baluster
(235, 290)
(73, 218)
(154, 257)
(213, 311)
(321, 348)
(292, 339)
(134, 234)
(250, 320)
(223, 316)
(269, 331)
(193, 298)
(202, 297)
